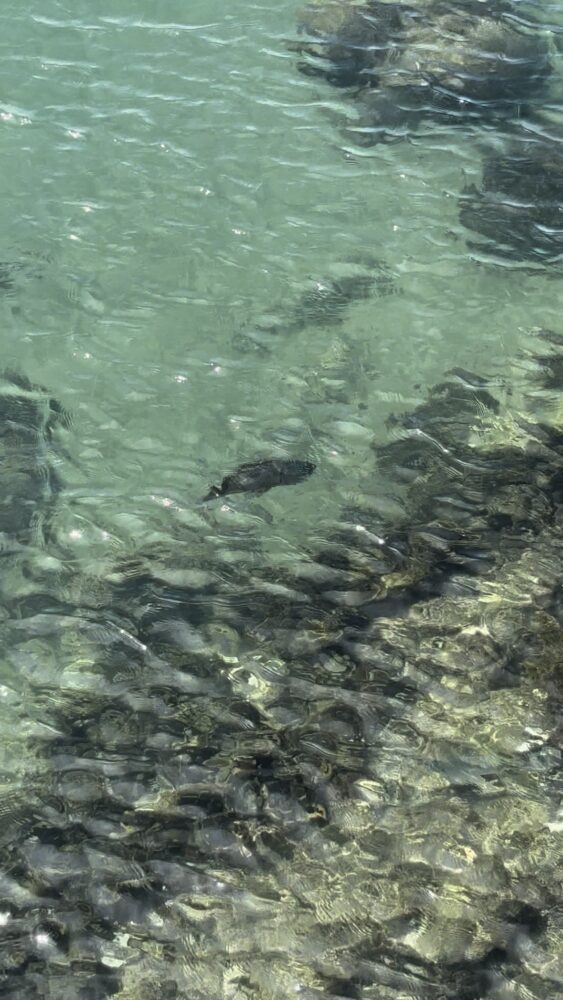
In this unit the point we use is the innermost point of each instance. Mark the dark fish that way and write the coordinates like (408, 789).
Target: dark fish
(258, 477)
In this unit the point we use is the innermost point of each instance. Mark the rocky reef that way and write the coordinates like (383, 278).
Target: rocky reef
(335, 776)
(452, 61)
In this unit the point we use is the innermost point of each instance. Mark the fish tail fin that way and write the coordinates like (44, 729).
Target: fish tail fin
(214, 492)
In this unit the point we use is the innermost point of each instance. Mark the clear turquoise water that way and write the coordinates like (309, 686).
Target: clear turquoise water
(173, 178)
(180, 177)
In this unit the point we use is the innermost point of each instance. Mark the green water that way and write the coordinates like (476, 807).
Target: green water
(180, 177)
(169, 178)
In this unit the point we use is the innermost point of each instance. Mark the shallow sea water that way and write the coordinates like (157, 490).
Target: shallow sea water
(206, 791)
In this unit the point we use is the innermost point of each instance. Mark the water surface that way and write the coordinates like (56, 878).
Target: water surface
(194, 805)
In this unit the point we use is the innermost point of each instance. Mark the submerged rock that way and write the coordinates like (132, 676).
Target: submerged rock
(30, 482)
(348, 43)
(431, 59)
(264, 788)
(518, 207)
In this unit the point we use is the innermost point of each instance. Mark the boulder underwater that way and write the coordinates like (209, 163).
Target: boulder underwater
(451, 61)
(348, 43)
(518, 207)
